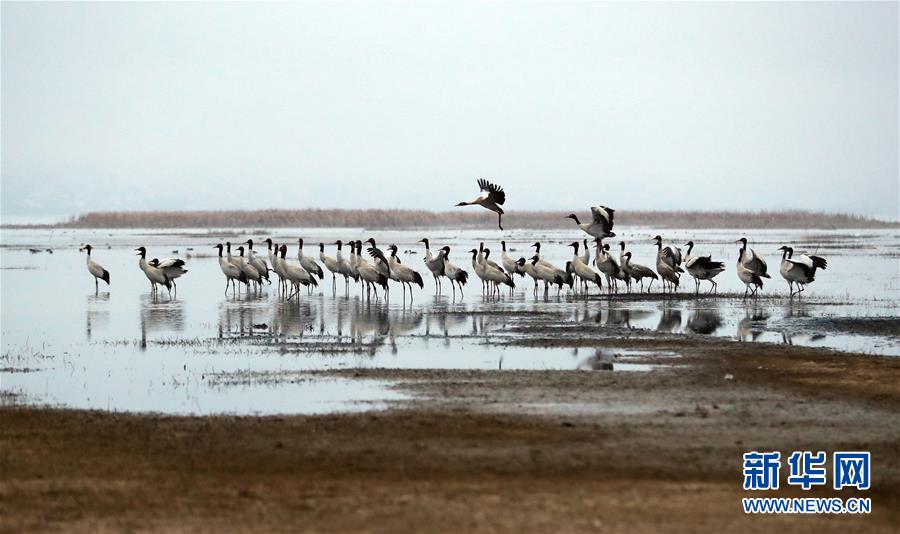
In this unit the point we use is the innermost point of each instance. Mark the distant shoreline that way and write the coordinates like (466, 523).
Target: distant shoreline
(401, 219)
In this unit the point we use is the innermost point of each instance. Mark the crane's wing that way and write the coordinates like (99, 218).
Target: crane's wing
(171, 262)
(377, 253)
(603, 215)
(495, 192)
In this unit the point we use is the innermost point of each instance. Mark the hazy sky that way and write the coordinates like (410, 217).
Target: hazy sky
(663, 106)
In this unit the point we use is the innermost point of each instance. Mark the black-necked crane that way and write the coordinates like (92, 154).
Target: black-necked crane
(479, 267)
(582, 270)
(230, 270)
(308, 263)
(752, 260)
(96, 270)
(172, 267)
(380, 261)
(496, 275)
(748, 276)
(607, 265)
(253, 275)
(668, 264)
(702, 268)
(331, 264)
(509, 264)
(548, 274)
(752, 268)
(368, 273)
(283, 281)
(383, 266)
(403, 274)
(296, 274)
(258, 263)
(343, 266)
(153, 274)
(354, 264)
(669, 255)
(454, 273)
(638, 272)
(800, 270)
(435, 264)
(491, 197)
(601, 223)
(620, 274)
(273, 250)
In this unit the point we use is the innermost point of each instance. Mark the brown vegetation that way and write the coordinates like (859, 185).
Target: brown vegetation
(395, 218)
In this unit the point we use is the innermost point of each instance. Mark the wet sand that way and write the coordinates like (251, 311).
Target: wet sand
(477, 450)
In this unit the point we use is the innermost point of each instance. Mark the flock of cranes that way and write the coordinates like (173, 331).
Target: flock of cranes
(578, 273)
(373, 268)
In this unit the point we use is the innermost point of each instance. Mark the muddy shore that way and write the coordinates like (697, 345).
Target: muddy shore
(492, 451)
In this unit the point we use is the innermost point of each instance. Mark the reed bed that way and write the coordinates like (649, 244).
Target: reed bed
(399, 219)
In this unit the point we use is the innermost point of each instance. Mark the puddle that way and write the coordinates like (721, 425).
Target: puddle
(121, 349)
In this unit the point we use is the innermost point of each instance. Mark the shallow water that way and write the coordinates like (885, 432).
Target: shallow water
(204, 352)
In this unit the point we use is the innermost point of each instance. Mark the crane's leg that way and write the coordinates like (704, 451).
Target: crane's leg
(500, 220)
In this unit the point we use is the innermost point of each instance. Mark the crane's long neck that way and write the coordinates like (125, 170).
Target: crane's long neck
(576, 248)
(690, 247)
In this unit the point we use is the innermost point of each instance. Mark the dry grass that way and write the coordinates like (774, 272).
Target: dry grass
(394, 218)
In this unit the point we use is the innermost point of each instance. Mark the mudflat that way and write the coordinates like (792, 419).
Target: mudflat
(476, 450)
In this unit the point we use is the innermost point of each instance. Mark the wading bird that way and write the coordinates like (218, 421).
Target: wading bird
(638, 272)
(496, 275)
(96, 270)
(512, 266)
(702, 268)
(491, 197)
(607, 265)
(230, 270)
(258, 263)
(153, 274)
(331, 264)
(273, 260)
(601, 222)
(668, 264)
(369, 274)
(434, 263)
(172, 267)
(748, 277)
(297, 275)
(801, 270)
(309, 263)
(252, 274)
(403, 274)
(750, 265)
(344, 268)
(582, 270)
(454, 273)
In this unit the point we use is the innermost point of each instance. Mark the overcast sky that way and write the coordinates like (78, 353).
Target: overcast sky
(657, 106)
